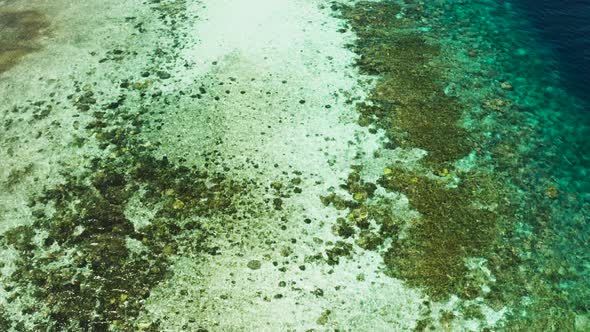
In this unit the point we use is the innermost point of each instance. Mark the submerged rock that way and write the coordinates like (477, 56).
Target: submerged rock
(254, 264)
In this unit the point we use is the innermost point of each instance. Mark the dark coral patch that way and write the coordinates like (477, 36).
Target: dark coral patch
(19, 34)
(408, 101)
(452, 228)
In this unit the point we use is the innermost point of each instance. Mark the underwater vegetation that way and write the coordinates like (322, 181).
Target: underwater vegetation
(409, 87)
(429, 96)
(409, 103)
(83, 264)
(82, 258)
(77, 261)
(494, 215)
(19, 35)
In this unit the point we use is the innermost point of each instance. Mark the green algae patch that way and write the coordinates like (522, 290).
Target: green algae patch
(380, 15)
(82, 264)
(408, 101)
(451, 229)
(363, 206)
(19, 35)
(340, 249)
(83, 260)
(457, 220)
(437, 66)
(76, 258)
(454, 222)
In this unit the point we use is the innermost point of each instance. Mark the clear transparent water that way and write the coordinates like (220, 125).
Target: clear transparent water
(292, 165)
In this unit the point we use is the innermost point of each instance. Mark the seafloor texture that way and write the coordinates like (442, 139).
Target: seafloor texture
(287, 165)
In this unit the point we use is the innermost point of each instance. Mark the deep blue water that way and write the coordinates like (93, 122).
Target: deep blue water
(564, 28)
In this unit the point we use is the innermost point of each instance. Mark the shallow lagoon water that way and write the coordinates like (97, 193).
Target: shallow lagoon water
(293, 165)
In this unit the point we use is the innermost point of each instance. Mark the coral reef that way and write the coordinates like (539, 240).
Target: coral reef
(475, 193)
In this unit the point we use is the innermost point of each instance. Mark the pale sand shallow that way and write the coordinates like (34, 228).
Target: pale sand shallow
(278, 52)
(75, 30)
(42, 149)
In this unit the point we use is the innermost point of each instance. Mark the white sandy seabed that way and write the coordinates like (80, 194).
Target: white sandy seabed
(282, 62)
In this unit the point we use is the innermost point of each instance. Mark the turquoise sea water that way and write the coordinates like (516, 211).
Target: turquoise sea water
(564, 28)
(546, 98)
(542, 48)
